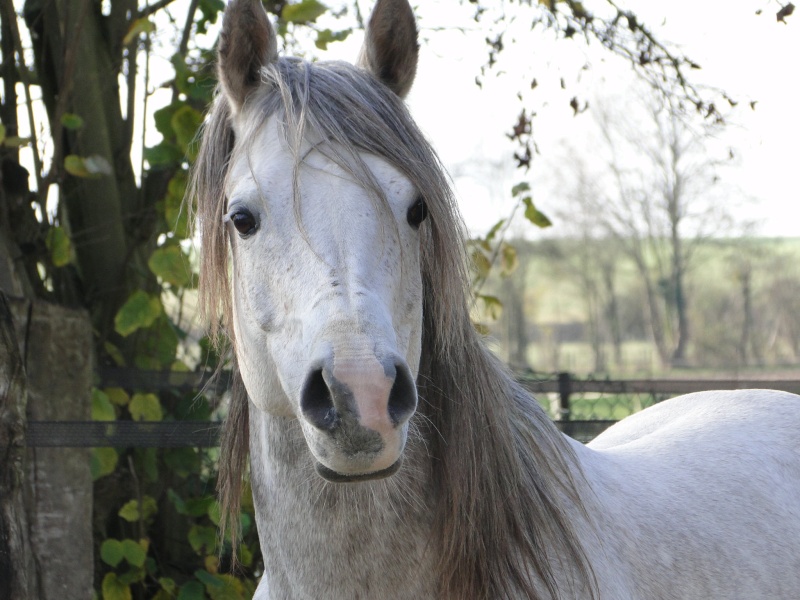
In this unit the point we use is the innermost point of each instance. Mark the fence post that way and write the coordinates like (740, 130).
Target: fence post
(57, 352)
(564, 391)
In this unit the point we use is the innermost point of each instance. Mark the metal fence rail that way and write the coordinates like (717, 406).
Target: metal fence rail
(581, 408)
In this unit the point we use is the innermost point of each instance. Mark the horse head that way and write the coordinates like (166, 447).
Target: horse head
(324, 237)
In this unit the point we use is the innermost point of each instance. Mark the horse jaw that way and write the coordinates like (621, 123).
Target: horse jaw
(327, 299)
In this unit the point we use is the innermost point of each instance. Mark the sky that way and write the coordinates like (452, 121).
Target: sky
(751, 57)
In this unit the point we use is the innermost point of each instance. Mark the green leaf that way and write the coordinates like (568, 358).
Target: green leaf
(163, 119)
(534, 215)
(102, 409)
(522, 186)
(141, 310)
(192, 590)
(145, 407)
(163, 154)
(491, 305)
(114, 353)
(509, 259)
(171, 265)
(493, 231)
(90, 167)
(167, 584)
(326, 36)
(203, 539)
(185, 123)
(214, 512)
(175, 213)
(221, 587)
(117, 396)
(111, 552)
(131, 512)
(306, 11)
(103, 461)
(197, 507)
(480, 263)
(71, 121)
(156, 349)
(177, 502)
(2, 133)
(134, 552)
(14, 141)
(142, 25)
(59, 245)
(182, 461)
(149, 460)
(114, 589)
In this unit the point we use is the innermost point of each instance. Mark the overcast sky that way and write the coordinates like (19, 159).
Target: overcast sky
(751, 57)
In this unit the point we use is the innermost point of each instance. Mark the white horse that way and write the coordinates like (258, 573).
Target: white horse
(391, 456)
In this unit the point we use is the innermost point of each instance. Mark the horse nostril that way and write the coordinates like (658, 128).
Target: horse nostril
(403, 397)
(316, 402)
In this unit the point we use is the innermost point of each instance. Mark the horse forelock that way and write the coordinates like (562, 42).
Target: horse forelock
(500, 469)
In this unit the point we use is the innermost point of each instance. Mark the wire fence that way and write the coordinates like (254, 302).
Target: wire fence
(581, 408)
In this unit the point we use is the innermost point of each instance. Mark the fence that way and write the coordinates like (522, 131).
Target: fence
(581, 408)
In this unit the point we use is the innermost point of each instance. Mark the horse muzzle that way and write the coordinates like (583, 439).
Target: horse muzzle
(355, 410)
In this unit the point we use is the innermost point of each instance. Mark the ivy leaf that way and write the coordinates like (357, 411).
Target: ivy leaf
(534, 215)
(493, 231)
(306, 11)
(171, 265)
(522, 186)
(509, 260)
(168, 585)
(481, 263)
(326, 36)
(71, 121)
(103, 462)
(111, 552)
(141, 310)
(142, 25)
(145, 407)
(59, 245)
(117, 396)
(177, 502)
(491, 305)
(185, 123)
(134, 552)
(114, 589)
(175, 213)
(203, 539)
(157, 347)
(102, 409)
(131, 512)
(90, 167)
(192, 590)
(163, 154)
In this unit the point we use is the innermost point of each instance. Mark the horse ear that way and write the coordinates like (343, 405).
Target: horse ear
(247, 43)
(390, 49)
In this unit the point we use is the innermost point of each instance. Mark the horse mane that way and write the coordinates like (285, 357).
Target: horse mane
(500, 469)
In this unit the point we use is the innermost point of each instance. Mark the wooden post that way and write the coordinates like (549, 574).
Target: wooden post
(56, 349)
(564, 392)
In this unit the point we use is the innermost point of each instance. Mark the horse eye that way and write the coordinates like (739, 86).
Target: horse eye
(244, 221)
(417, 213)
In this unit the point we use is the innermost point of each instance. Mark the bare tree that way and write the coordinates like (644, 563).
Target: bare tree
(658, 196)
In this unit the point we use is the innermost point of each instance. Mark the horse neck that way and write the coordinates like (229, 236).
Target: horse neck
(376, 532)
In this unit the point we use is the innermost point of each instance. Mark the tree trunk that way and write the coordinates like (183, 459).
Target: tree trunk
(16, 559)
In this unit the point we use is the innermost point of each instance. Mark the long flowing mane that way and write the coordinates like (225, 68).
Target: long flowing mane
(500, 471)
